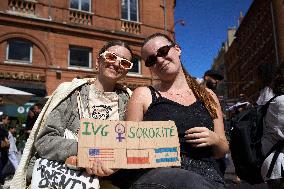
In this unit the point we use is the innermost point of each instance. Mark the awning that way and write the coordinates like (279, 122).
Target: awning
(13, 96)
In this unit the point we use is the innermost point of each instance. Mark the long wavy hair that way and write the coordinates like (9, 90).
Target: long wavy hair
(199, 91)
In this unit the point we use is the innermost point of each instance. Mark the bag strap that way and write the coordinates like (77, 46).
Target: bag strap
(266, 105)
(278, 148)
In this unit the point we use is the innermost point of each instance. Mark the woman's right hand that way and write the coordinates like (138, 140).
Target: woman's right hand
(98, 169)
(71, 162)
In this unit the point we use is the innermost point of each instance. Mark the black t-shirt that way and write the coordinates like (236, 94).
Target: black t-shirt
(30, 122)
(3, 132)
(4, 151)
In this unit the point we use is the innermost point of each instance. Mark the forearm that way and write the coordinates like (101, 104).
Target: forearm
(221, 147)
(56, 148)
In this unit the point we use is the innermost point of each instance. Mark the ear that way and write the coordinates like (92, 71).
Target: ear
(97, 64)
(178, 49)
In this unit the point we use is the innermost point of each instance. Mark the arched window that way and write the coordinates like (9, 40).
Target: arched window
(19, 50)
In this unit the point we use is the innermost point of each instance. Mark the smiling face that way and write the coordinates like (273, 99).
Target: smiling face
(113, 70)
(165, 60)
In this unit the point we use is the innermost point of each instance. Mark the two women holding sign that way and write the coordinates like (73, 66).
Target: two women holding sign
(195, 110)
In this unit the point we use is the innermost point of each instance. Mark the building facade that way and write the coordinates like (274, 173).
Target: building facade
(219, 62)
(44, 43)
(259, 42)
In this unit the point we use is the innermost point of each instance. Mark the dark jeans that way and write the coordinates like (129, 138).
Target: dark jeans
(276, 183)
(172, 178)
(1, 168)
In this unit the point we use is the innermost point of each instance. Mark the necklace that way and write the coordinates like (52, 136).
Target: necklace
(180, 93)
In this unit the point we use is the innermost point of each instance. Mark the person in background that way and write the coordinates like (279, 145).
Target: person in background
(33, 113)
(197, 115)
(266, 73)
(273, 132)
(13, 151)
(211, 79)
(5, 121)
(5, 144)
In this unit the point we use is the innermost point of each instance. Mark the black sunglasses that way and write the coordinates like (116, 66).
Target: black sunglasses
(161, 52)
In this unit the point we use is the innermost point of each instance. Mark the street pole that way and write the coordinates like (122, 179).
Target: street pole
(274, 34)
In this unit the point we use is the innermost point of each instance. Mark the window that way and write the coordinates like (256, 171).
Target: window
(136, 65)
(19, 50)
(80, 57)
(129, 10)
(82, 5)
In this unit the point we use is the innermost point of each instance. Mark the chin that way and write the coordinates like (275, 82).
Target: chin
(114, 77)
(113, 74)
(168, 72)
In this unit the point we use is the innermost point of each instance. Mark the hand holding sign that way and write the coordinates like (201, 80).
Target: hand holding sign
(105, 145)
(98, 169)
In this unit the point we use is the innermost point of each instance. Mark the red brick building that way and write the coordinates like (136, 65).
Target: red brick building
(259, 41)
(44, 43)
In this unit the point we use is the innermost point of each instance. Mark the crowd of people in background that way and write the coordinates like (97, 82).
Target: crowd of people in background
(10, 154)
(204, 134)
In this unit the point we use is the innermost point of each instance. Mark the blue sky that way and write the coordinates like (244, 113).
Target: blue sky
(206, 24)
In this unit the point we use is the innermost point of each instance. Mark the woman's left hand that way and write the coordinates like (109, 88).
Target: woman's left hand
(97, 168)
(201, 137)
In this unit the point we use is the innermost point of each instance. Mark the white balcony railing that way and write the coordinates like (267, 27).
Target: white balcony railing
(22, 6)
(80, 17)
(130, 27)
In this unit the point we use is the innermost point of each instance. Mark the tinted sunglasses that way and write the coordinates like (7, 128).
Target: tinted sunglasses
(112, 58)
(161, 52)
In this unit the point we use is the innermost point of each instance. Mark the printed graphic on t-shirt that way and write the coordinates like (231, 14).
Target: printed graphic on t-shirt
(103, 105)
(101, 111)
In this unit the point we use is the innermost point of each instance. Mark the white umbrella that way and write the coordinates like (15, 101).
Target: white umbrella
(13, 96)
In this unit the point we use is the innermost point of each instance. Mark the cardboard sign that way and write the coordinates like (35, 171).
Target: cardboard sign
(128, 144)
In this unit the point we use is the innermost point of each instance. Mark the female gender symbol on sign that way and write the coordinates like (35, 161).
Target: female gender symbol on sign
(120, 129)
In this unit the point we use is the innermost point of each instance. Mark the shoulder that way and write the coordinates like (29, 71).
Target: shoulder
(141, 95)
(141, 92)
(280, 98)
(67, 88)
(63, 86)
(278, 101)
(212, 94)
(123, 90)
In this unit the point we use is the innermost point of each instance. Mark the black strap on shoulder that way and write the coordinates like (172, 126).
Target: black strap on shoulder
(278, 148)
(266, 105)
(154, 93)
